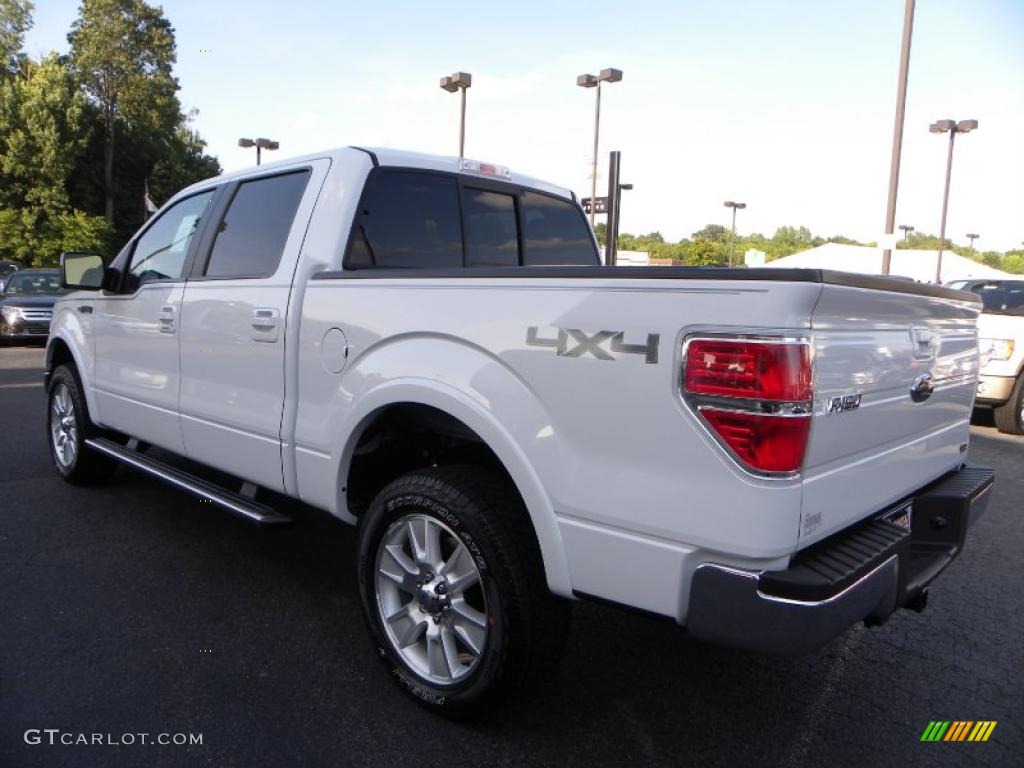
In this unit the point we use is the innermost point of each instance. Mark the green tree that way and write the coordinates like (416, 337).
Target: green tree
(123, 52)
(789, 240)
(991, 258)
(601, 231)
(923, 241)
(44, 123)
(15, 21)
(715, 233)
(37, 238)
(701, 252)
(1014, 262)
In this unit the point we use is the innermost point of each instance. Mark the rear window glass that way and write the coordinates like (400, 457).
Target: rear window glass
(491, 239)
(555, 232)
(408, 220)
(418, 219)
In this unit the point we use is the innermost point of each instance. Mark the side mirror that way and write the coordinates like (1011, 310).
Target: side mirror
(81, 271)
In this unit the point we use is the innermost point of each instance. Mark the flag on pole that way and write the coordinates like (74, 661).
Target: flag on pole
(147, 202)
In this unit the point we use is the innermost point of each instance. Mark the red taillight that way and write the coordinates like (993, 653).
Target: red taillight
(766, 419)
(765, 371)
(765, 442)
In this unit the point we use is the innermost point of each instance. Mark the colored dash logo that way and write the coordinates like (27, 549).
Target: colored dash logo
(958, 730)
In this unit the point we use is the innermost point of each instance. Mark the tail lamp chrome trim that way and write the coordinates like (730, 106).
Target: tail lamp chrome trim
(695, 403)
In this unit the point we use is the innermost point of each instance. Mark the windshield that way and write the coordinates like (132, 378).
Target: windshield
(33, 283)
(1003, 297)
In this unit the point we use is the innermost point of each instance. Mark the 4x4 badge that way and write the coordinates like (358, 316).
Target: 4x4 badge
(584, 343)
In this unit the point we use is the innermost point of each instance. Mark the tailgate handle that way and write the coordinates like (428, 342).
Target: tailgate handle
(922, 341)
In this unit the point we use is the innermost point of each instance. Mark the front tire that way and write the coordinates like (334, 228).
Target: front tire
(67, 427)
(1010, 415)
(453, 589)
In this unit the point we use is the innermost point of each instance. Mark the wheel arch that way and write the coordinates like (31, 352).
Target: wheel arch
(59, 351)
(493, 436)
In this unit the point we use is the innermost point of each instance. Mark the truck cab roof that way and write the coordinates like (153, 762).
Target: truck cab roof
(391, 158)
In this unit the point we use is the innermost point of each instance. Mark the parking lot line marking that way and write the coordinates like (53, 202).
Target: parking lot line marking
(22, 386)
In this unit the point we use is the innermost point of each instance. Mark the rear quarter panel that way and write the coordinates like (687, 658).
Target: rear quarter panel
(609, 441)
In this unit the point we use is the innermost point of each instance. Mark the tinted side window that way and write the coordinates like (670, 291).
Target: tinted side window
(555, 232)
(160, 252)
(408, 219)
(252, 235)
(491, 239)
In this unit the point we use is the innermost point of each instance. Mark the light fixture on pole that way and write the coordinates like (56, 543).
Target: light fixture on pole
(952, 127)
(732, 241)
(594, 81)
(907, 229)
(259, 144)
(459, 81)
(972, 238)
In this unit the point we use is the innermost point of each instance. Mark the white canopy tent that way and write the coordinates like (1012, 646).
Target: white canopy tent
(918, 265)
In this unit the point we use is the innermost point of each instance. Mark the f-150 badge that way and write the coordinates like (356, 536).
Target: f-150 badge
(843, 403)
(572, 342)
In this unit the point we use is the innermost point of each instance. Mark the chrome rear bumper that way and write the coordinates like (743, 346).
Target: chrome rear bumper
(734, 607)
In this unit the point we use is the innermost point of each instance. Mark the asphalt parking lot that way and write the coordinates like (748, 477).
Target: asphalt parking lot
(132, 608)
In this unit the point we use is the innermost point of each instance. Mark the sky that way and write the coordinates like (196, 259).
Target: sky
(786, 105)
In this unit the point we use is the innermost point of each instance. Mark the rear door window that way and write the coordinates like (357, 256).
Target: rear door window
(408, 219)
(255, 228)
(555, 232)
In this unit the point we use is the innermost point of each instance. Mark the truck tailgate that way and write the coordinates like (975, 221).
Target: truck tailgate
(871, 442)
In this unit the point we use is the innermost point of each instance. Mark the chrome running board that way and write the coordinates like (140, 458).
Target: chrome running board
(244, 507)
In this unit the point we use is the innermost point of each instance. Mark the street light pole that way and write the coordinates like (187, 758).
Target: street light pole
(953, 128)
(972, 238)
(593, 163)
(462, 123)
(732, 240)
(897, 132)
(592, 81)
(459, 81)
(945, 206)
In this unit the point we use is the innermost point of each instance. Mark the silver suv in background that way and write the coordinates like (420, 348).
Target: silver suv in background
(1001, 342)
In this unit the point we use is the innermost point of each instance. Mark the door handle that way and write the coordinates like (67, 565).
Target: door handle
(166, 319)
(85, 309)
(264, 323)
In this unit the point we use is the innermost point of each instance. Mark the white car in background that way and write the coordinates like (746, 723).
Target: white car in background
(1001, 340)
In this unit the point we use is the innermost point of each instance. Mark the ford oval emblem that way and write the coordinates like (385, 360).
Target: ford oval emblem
(922, 388)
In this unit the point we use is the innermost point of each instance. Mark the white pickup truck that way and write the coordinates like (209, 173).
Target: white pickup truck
(1001, 340)
(429, 348)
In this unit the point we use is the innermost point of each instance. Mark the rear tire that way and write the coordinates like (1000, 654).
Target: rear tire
(453, 589)
(67, 428)
(1010, 415)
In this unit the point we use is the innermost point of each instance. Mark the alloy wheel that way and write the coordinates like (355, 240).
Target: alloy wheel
(430, 599)
(63, 426)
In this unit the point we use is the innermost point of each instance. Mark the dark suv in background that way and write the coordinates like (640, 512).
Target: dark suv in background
(26, 304)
